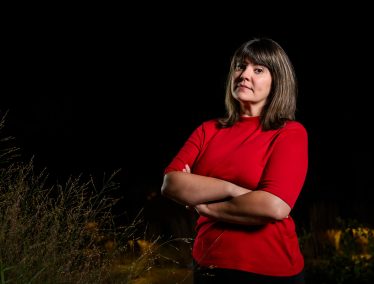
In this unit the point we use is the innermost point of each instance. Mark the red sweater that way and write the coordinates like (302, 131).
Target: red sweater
(274, 161)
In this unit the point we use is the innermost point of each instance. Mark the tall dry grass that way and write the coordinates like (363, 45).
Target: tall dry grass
(67, 233)
(56, 233)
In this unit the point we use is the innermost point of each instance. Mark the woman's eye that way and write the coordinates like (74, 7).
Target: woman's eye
(258, 70)
(240, 66)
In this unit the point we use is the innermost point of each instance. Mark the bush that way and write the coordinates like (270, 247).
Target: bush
(344, 254)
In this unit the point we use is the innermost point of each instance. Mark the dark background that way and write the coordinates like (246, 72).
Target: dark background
(93, 89)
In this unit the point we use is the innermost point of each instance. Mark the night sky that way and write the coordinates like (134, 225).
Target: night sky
(94, 92)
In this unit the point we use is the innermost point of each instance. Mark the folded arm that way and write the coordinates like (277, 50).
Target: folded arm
(253, 208)
(190, 189)
(222, 200)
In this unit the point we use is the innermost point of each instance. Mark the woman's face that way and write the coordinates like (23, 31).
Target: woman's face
(252, 84)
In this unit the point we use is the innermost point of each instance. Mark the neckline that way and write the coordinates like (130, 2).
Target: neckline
(249, 118)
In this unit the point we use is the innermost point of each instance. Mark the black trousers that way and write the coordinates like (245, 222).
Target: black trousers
(203, 275)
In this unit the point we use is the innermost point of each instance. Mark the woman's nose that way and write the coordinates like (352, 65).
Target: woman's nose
(245, 75)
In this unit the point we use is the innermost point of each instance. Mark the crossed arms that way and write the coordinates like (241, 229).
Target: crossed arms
(223, 200)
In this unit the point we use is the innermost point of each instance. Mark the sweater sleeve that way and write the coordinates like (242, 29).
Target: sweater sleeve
(286, 168)
(189, 151)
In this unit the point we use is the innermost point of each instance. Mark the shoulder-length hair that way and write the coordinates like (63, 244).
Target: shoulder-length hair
(281, 103)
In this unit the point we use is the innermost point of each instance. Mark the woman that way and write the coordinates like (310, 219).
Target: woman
(243, 174)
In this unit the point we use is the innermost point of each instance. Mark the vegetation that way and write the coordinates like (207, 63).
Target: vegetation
(342, 255)
(66, 233)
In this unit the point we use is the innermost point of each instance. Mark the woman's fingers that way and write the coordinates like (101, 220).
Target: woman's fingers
(186, 169)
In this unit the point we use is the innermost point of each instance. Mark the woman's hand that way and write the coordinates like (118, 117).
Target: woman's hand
(186, 169)
(203, 210)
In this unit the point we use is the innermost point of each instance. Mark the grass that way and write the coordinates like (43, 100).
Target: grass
(340, 255)
(66, 232)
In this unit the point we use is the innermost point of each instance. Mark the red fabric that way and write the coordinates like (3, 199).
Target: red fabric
(274, 161)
